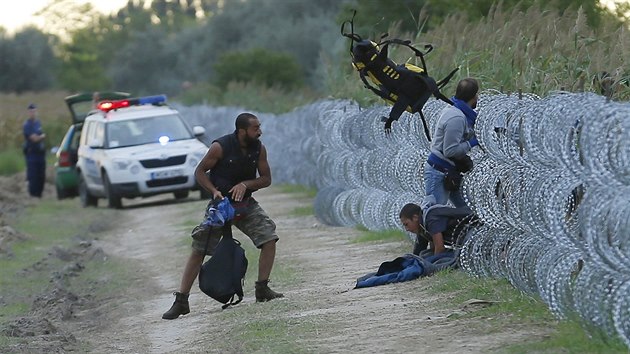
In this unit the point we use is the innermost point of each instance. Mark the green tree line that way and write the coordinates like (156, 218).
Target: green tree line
(168, 46)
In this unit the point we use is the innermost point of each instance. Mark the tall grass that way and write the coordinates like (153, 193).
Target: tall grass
(534, 50)
(44, 231)
(11, 161)
(52, 111)
(250, 96)
(342, 81)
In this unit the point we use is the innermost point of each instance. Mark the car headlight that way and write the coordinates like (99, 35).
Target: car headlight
(121, 164)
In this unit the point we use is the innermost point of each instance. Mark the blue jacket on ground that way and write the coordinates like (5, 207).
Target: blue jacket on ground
(405, 268)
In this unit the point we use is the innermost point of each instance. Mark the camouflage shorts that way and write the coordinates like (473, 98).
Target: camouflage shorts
(255, 224)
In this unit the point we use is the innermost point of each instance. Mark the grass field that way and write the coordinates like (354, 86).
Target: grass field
(502, 303)
(28, 272)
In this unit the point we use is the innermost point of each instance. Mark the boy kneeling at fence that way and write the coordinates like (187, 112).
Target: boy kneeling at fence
(436, 225)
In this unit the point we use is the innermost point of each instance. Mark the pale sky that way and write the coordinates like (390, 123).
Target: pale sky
(19, 13)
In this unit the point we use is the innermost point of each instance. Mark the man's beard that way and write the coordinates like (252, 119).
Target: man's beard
(250, 141)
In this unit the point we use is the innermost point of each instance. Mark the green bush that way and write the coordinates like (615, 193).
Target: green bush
(259, 66)
(11, 161)
(202, 93)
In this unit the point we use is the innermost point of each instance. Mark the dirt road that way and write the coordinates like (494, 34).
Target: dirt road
(316, 268)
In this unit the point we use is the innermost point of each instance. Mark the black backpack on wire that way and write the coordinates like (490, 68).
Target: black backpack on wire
(222, 276)
(407, 87)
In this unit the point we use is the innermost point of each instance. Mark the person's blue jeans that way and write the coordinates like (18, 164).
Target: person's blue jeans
(434, 185)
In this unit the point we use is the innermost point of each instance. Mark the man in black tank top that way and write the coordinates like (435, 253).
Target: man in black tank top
(238, 166)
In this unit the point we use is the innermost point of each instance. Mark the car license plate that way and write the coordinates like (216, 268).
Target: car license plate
(166, 174)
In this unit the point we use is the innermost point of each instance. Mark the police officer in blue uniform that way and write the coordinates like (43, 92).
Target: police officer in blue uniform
(35, 152)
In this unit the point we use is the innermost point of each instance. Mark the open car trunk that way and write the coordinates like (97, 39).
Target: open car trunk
(81, 104)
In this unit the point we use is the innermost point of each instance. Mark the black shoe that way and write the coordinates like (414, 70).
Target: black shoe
(180, 307)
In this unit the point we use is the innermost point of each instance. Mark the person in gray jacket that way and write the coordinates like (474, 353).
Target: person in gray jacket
(453, 138)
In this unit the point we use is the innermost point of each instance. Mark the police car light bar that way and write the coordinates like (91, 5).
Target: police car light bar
(107, 106)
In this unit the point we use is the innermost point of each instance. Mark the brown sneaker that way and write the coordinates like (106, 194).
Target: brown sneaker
(263, 293)
(180, 307)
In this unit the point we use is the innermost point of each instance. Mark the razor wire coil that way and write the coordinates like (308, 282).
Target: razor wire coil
(551, 184)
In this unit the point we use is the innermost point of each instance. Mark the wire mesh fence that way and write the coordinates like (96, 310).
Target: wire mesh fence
(551, 184)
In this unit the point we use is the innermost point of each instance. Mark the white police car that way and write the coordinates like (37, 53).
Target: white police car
(137, 148)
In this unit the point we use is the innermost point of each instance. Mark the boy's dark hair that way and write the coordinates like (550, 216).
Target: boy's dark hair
(467, 89)
(409, 210)
(242, 121)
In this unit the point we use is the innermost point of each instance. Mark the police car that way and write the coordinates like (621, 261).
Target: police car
(137, 147)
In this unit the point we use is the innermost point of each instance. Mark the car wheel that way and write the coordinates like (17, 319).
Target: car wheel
(86, 198)
(181, 194)
(113, 200)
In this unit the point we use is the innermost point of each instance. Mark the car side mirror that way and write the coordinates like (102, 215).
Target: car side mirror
(199, 130)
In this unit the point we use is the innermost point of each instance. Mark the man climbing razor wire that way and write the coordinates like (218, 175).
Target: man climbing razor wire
(453, 138)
